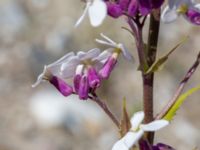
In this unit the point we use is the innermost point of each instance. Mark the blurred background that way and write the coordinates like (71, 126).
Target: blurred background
(37, 32)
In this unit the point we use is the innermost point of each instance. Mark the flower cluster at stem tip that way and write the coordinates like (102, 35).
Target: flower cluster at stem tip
(99, 9)
(86, 69)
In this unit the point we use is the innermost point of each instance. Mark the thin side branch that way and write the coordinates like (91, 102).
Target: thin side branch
(103, 105)
(180, 88)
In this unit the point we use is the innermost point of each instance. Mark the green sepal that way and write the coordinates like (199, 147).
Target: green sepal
(172, 112)
(125, 122)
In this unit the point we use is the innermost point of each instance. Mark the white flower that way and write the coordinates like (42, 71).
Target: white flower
(97, 11)
(137, 130)
(53, 69)
(115, 46)
(176, 8)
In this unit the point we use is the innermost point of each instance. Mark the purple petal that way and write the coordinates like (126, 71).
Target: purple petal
(114, 10)
(193, 16)
(93, 78)
(83, 88)
(105, 72)
(61, 86)
(77, 80)
(133, 7)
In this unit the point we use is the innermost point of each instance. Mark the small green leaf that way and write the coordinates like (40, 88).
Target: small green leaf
(158, 65)
(125, 122)
(172, 112)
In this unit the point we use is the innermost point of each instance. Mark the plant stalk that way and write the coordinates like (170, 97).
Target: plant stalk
(148, 79)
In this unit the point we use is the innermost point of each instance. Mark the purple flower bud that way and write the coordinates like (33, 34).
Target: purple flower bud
(144, 145)
(156, 3)
(161, 146)
(133, 7)
(114, 10)
(77, 80)
(124, 4)
(61, 85)
(93, 78)
(193, 16)
(105, 72)
(144, 6)
(83, 88)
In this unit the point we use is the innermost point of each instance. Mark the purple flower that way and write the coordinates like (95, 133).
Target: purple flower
(84, 69)
(115, 50)
(188, 8)
(193, 16)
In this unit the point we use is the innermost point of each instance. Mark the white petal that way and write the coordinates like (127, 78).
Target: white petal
(91, 54)
(136, 120)
(197, 7)
(84, 14)
(62, 59)
(69, 72)
(79, 69)
(40, 78)
(169, 15)
(97, 12)
(71, 62)
(103, 56)
(68, 68)
(127, 55)
(120, 145)
(108, 39)
(131, 138)
(81, 54)
(104, 43)
(155, 125)
(55, 69)
(173, 3)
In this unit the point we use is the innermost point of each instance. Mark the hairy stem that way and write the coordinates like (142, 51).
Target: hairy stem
(105, 108)
(180, 88)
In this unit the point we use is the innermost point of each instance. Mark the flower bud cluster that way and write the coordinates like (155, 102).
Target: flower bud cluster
(132, 7)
